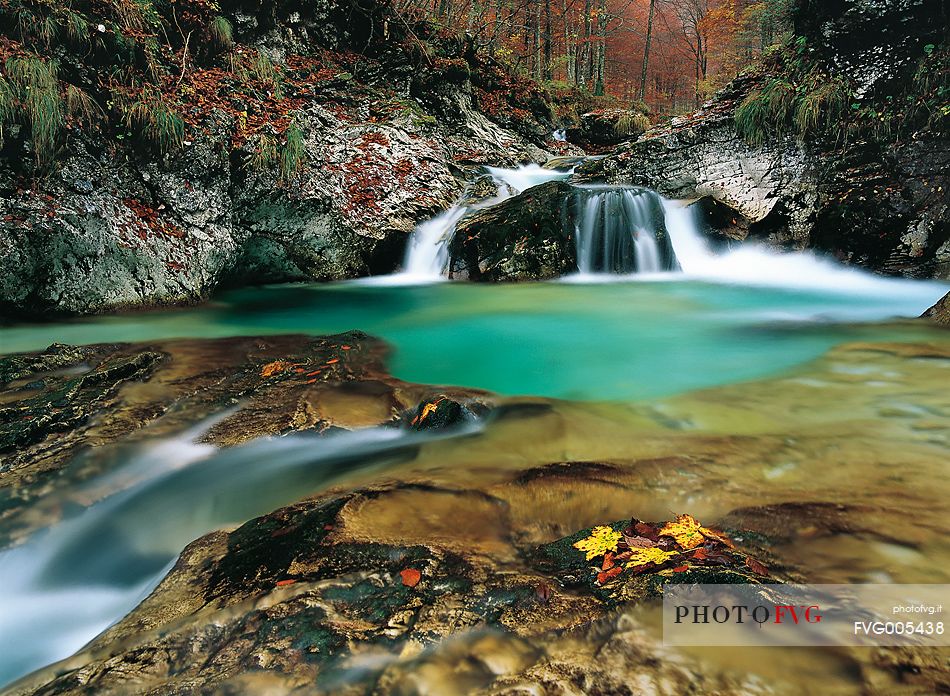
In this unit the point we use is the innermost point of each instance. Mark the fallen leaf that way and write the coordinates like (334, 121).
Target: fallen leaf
(284, 583)
(608, 561)
(608, 574)
(601, 540)
(410, 577)
(755, 566)
(640, 557)
(334, 360)
(273, 368)
(685, 530)
(681, 569)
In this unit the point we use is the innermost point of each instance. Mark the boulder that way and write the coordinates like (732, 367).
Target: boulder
(523, 238)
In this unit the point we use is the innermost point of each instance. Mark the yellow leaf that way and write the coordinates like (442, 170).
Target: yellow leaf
(686, 530)
(601, 540)
(650, 554)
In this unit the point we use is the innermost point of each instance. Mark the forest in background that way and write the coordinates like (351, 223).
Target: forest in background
(666, 55)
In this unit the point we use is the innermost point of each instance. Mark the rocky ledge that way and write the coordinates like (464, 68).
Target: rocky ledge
(320, 176)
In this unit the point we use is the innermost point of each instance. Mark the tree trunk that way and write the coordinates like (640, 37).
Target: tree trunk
(548, 47)
(646, 52)
(600, 83)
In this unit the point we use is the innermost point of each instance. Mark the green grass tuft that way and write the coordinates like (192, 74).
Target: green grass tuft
(221, 32)
(292, 154)
(631, 123)
(155, 120)
(36, 91)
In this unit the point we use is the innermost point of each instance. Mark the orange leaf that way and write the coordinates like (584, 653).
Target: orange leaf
(410, 577)
(681, 569)
(334, 360)
(608, 561)
(284, 583)
(608, 574)
(272, 368)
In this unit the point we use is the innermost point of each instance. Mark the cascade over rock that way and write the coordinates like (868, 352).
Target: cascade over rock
(555, 229)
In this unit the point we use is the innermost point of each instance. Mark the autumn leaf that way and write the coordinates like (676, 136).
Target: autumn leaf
(410, 577)
(284, 583)
(686, 530)
(641, 557)
(608, 574)
(601, 540)
(608, 561)
(755, 566)
(681, 569)
(273, 368)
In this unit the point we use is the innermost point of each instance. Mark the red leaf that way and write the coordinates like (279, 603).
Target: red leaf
(284, 583)
(681, 569)
(410, 577)
(608, 574)
(608, 561)
(755, 566)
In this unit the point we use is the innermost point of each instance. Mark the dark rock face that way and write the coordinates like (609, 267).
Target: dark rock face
(523, 238)
(599, 130)
(940, 312)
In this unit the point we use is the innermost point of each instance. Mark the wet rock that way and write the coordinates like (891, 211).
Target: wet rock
(619, 575)
(720, 223)
(940, 312)
(67, 412)
(523, 238)
(443, 412)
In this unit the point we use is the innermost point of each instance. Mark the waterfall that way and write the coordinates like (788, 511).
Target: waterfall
(427, 254)
(621, 230)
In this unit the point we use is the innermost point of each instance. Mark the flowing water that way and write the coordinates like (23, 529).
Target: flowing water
(625, 356)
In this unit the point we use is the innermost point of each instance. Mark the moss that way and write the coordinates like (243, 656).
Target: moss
(802, 96)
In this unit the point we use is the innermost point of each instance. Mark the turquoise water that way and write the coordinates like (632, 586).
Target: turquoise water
(596, 341)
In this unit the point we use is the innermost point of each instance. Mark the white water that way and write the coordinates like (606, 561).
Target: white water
(560, 135)
(755, 264)
(617, 230)
(68, 583)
